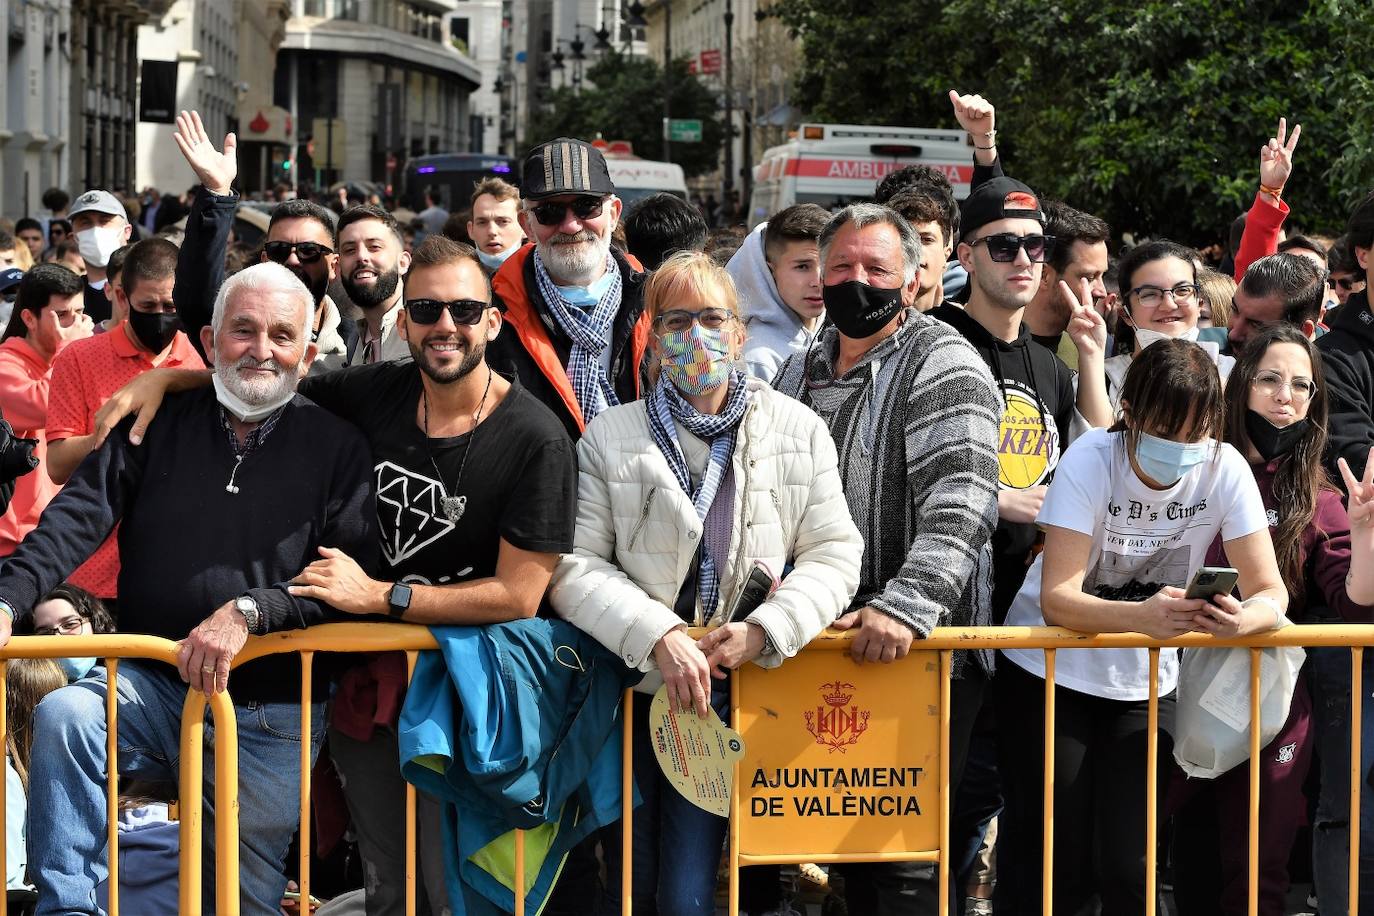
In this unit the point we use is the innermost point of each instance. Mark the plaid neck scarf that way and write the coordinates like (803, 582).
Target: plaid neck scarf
(664, 406)
(590, 333)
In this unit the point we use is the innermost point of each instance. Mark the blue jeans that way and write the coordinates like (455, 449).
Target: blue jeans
(67, 822)
(1329, 674)
(676, 845)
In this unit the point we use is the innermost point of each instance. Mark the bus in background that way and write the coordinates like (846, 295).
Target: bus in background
(635, 178)
(834, 165)
(454, 175)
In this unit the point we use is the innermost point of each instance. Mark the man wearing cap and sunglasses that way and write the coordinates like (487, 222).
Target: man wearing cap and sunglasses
(574, 331)
(101, 225)
(300, 236)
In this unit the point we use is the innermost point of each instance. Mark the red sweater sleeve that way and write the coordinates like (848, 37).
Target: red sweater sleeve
(1261, 236)
(1329, 558)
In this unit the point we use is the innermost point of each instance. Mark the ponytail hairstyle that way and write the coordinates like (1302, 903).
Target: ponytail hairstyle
(1300, 477)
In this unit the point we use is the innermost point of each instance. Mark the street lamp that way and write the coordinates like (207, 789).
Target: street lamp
(636, 18)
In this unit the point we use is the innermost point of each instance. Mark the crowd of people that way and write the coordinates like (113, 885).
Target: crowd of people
(565, 436)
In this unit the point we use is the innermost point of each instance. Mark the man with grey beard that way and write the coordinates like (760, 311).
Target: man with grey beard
(217, 513)
(574, 329)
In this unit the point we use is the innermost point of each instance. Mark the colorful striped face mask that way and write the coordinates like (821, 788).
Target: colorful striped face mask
(696, 360)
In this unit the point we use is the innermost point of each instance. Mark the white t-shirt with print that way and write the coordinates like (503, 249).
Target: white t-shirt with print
(1143, 540)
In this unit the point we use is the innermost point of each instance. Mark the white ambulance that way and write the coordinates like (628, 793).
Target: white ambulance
(837, 164)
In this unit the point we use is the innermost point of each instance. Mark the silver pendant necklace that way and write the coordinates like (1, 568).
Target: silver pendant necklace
(454, 506)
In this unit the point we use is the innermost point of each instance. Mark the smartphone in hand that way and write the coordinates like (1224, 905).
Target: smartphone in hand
(1210, 581)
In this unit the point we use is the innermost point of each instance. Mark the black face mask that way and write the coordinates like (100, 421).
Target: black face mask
(154, 330)
(1269, 440)
(858, 310)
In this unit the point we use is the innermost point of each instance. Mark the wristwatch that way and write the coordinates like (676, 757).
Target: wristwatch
(768, 647)
(398, 600)
(252, 614)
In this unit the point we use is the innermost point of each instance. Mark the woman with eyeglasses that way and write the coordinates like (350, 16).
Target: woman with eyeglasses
(683, 496)
(1161, 299)
(1276, 416)
(68, 610)
(1129, 518)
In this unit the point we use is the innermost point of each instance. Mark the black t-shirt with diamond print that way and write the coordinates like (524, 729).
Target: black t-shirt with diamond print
(520, 479)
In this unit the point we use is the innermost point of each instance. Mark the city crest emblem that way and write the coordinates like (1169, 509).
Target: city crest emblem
(836, 723)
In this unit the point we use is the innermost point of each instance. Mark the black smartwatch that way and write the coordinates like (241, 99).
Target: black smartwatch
(398, 600)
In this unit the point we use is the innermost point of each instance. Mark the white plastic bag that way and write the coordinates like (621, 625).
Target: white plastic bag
(1212, 725)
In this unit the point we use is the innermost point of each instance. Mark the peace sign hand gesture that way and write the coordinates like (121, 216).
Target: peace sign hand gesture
(1087, 329)
(1276, 156)
(215, 170)
(1361, 493)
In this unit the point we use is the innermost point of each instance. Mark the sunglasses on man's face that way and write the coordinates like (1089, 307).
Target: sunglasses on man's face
(584, 208)
(1003, 246)
(306, 252)
(462, 311)
(1345, 283)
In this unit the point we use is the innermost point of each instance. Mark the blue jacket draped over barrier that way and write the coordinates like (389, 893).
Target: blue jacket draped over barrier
(515, 725)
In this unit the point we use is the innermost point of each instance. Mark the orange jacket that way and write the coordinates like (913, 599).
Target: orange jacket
(520, 313)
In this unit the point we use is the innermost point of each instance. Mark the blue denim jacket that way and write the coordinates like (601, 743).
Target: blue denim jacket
(516, 725)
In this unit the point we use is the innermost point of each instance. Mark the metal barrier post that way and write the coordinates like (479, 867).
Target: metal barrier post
(733, 900)
(1047, 857)
(946, 686)
(627, 805)
(1356, 768)
(112, 778)
(303, 885)
(1151, 784)
(191, 789)
(1253, 853)
(410, 813)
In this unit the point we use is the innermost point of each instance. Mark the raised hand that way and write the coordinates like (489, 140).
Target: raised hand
(215, 170)
(1276, 156)
(1361, 490)
(1087, 329)
(974, 113)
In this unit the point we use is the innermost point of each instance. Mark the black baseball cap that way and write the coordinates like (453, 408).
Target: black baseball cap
(10, 277)
(565, 166)
(999, 198)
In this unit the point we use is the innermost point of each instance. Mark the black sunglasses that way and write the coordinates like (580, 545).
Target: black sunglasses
(462, 311)
(1003, 246)
(584, 208)
(1345, 283)
(306, 252)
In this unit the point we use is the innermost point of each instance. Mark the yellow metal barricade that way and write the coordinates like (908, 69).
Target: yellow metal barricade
(111, 649)
(838, 709)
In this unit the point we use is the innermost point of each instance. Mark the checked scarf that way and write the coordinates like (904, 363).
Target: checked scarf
(664, 406)
(590, 333)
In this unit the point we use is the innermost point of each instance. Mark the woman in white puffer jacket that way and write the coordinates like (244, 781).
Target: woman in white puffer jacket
(680, 495)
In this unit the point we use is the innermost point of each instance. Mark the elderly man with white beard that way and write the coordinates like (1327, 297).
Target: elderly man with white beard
(575, 331)
(230, 513)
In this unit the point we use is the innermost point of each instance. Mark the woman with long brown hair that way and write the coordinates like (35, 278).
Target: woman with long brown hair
(1276, 416)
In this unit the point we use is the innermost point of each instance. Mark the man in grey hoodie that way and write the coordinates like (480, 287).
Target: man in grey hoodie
(778, 273)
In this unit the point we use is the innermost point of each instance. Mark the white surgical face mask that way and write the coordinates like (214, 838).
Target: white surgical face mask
(98, 243)
(241, 409)
(1146, 336)
(494, 261)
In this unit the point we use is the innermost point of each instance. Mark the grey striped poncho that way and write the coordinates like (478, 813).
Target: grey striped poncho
(915, 424)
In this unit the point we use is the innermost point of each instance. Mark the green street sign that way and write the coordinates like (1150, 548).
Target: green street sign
(682, 130)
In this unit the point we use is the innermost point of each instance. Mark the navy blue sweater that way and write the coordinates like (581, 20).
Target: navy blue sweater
(187, 545)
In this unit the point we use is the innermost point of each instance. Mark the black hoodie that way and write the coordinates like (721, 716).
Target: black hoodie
(1037, 390)
(1348, 363)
